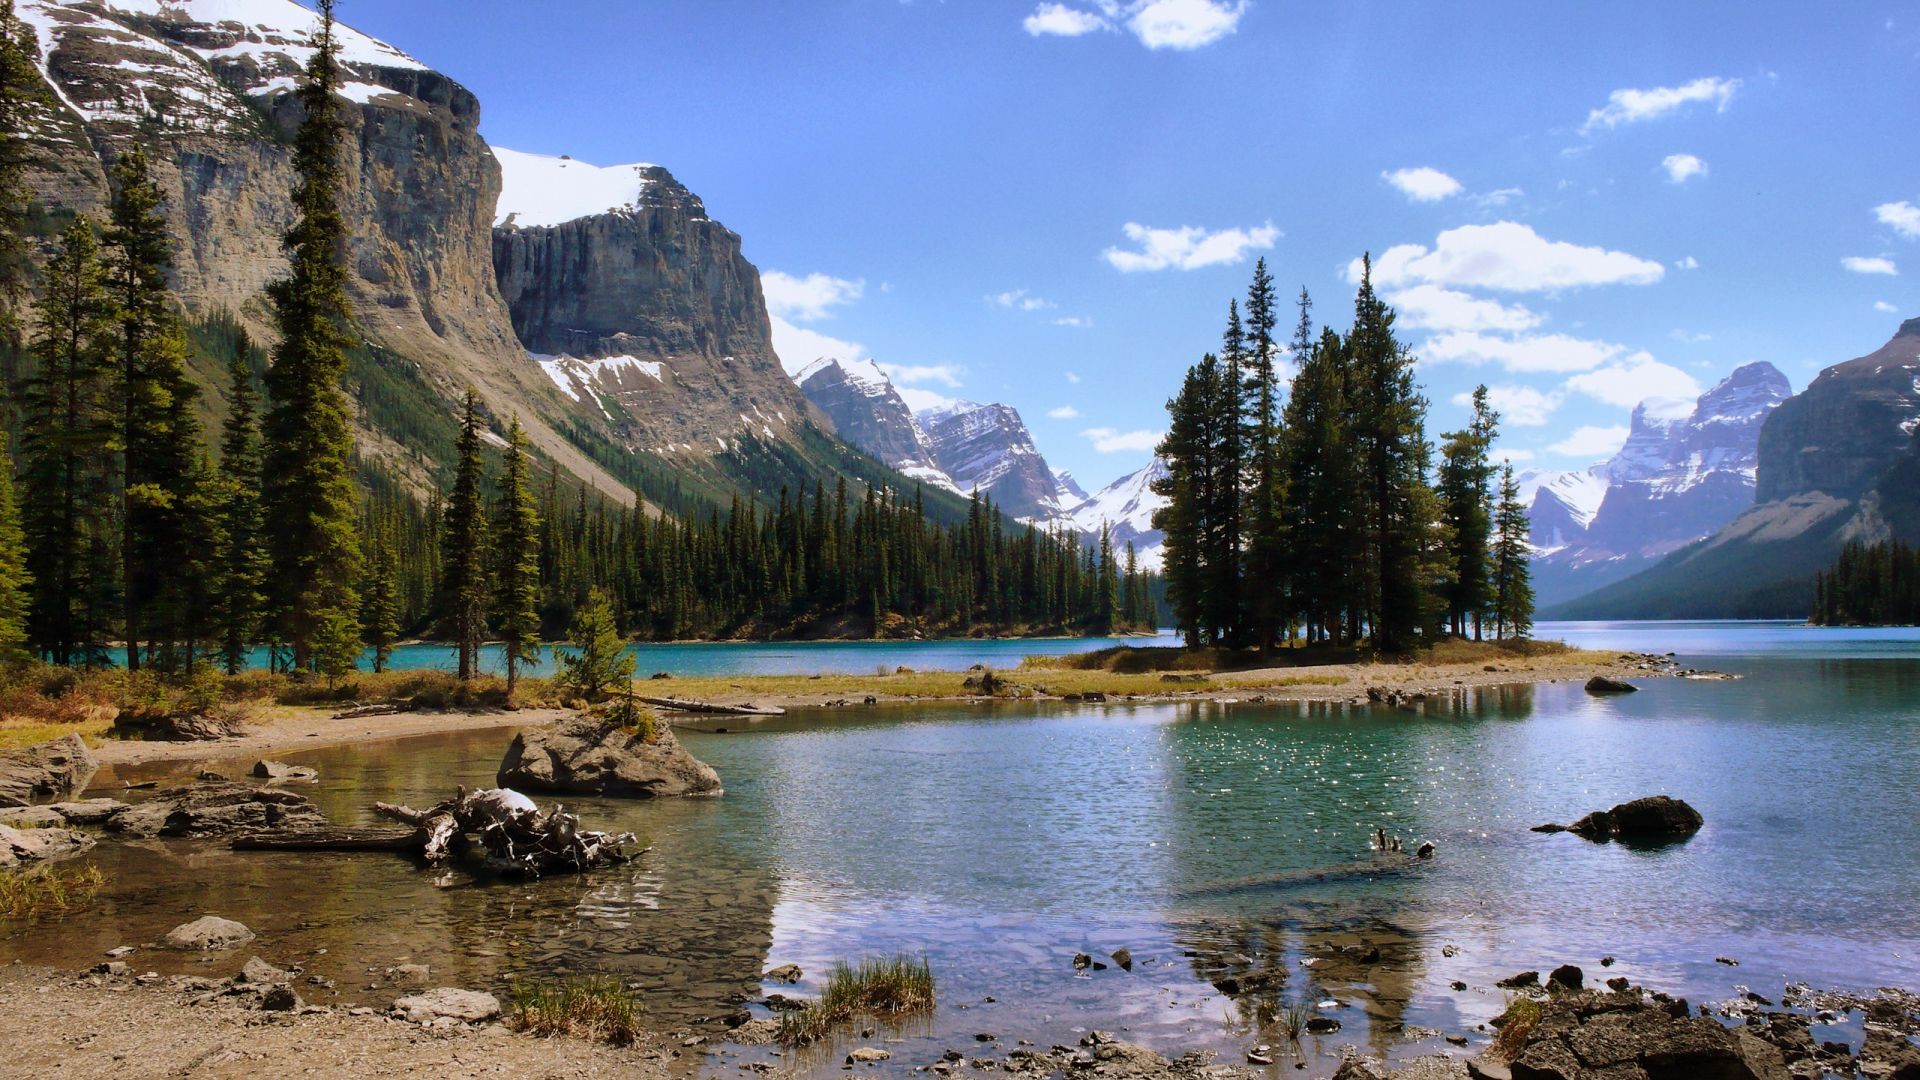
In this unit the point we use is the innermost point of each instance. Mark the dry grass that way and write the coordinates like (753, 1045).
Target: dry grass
(1515, 1024)
(596, 1007)
(886, 987)
(46, 889)
(1023, 682)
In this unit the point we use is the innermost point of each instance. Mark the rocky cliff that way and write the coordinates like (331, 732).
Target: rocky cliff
(1835, 463)
(1679, 477)
(868, 412)
(207, 85)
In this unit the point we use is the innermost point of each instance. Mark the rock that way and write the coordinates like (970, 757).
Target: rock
(115, 968)
(148, 725)
(1359, 1069)
(279, 772)
(1424, 851)
(1651, 820)
(1589, 1034)
(1129, 1058)
(868, 1055)
(21, 846)
(46, 771)
(1081, 961)
(119, 951)
(1515, 982)
(411, 974)
(281, 999)
(1566, 977)
(1600, 684)
(1619, 984)
(658, 675)
(258, 972)
(467, 1006)
(786, 973)
(756, 1032)
(207, 932)
(1322, 1025)
(590, 756)
(985, 682)
(217, 810)
(1124, 957)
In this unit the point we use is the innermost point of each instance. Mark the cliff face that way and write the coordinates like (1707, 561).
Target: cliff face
(868, 412)
(988, 448)
(208, 85)
(1848, 426)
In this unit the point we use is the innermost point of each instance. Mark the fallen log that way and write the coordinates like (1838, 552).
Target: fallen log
(518, 838)
(331, 839)
(383, 709)
(689, 706)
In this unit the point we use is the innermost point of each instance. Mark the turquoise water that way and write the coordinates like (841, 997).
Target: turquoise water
(1213, 840)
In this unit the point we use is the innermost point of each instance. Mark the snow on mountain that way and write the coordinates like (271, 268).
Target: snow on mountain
(868, 412)
(539, 191)
(1126, 506)
(987, 448)
(1070, 490)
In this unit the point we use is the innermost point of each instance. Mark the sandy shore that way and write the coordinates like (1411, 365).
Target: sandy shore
(310, 729)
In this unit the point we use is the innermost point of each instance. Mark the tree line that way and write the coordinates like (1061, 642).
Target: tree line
(124, 526)
(1313, 512)
(1869, 585)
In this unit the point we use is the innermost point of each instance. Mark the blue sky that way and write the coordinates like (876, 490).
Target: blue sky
(1050, 204)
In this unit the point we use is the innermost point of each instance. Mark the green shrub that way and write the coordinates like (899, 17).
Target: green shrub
(886, 987)
(597, 1007)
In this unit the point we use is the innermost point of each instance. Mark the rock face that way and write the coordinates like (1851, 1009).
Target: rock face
(207, 932)
(1684, 472)
(1654, 819)
(591, 756)
(217, 809)
(1839, 462)
(868, 412)
(47, 771)
(988, 448)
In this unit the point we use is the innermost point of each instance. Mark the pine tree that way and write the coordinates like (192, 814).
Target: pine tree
(243, 558)
(516, 541)
(1512, 578)
(1465, 489)
(15, 579)
(1185, 520)
(19, 82)
(1389, 418)
(599, 660)
(380, 604)
(67, 455)
(464, 582)
(307, 490)
(1321, 513)
(1267, 586)
(1227, 600)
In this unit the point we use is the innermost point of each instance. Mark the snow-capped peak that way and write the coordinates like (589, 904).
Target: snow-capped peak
(863, 375)
(274, 27)
(537, 190)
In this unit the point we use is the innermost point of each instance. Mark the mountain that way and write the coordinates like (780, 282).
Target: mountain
(1679, 477)
(1127, 506)
(1838, 462)
(869, 413)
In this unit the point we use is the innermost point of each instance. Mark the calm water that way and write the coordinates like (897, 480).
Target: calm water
(1213, 840)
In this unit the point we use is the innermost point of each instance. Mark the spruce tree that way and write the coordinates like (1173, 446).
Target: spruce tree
(15, 579)
(243, 557)
(1465, 489)
(380, 604)
(1389, 419)
(67, 453)
(1268, 590)
(1322, 484)
(1187, 520)
(307, 488)
(465, 591)
(19, 83)
(516, 544)
(1512, 578)
(599, 661)
(1228, 602)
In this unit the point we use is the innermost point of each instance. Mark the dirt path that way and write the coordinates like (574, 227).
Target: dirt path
(309, 729)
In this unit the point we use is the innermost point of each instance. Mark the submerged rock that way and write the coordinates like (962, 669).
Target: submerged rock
(207, 932)
(1600, 684)
(279, 772)
(216, 810)
(49, 770)
(1654, 819)
(590, 756)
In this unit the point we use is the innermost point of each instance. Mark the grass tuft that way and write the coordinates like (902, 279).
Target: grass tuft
(1515, 1024)
(595, 1007)
(1294, 1022)
(46, 889)
(887, 987)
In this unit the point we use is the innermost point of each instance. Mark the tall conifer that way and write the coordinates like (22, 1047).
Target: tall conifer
(243, 560)
(464, 586)
(516, 544)
(15, 580)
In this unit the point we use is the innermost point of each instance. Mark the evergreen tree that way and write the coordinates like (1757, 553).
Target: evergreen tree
(19, 84)
(599, 660)
(1512, 581)
(1465, 488)
(336, 645)
(516, 540)
(243, 558)
(1227, 602)
(380, 604)
(1269, 595)
(307, 489)
(67, 452)
(15, 579)
(1321, 513)
(1186, 519)
(464, 585)
(1388, 417)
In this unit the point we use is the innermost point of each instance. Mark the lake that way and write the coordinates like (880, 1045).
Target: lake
(1225, 845)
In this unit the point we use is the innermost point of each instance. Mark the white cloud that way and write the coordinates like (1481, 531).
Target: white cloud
(909, 374)
(1512, 455)
(1883, 306)
(1592, 442)
(920, 400)
(798, 346)
(1064, 412)
(807, 299)
(1078, 321)
(1431, 307)
(1537, 352)
(1499, 196)
(1021, 299)
(1637, 379)
(1690, 337)
(1683, 167)
(1903, 217)
(1059, 20)
(1632, 106)
(1507, 256)
(1875, 265)
(1157, 24)
(1688, 263)
(1110, 441)
(1073, 377)
(1188, 248)
(1424, 184)
(1521, 406)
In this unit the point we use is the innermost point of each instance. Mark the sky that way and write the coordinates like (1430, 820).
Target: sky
(1050, 204)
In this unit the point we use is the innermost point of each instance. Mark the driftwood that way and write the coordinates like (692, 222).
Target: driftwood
(332, 839)
(517, 837)
(358, 711)
(686, 705)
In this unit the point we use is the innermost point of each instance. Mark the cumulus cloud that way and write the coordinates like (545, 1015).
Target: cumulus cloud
(1432, 307)
(1902, 217)
(1688, 263)
(1870, 265)
(1157, 24)
(1064, 412)
(1021, 299)
(798, 346)
(910, 374)
(1073, 376)
(1080, 322)
(1507, 256)
(1636, 380)
(1512, 455)
(1525, 352)
(1592, 442)
(1683, 167)
(1633, 106)
(1188, 247)
(919, 400)
(1883, 306)
(1521, 406)
(807, 299)
(1424, 184)
(1498, 197)
(1112, 441)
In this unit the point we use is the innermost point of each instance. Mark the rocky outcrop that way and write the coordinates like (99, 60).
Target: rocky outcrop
(987, 448)
(207, 932)
(1601, 684)
(1592, 1034)
(21, 846)
(1654, 819)
(46, 771)
(591, 756)
(866, 410)
(216, 809)
(1847, 427)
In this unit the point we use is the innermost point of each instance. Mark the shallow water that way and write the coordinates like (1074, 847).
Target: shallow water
(1213, 840)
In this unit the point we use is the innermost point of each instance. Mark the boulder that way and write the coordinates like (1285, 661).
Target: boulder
(1652, 820)
(150, 726)
(467, 1006)
(1591, 1034)
(867, 1055)
(590, 756)
(1600, 684)
(216, 810)
(46, 771)
(279, 772)
(56, 815)
(21, 846)
(258, 972)
(207, 932)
